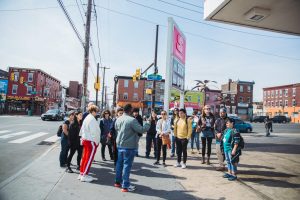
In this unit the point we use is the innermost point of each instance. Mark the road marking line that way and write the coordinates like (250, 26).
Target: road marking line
(28, 138)
(13, 134)
(52, 139)
(4, 131)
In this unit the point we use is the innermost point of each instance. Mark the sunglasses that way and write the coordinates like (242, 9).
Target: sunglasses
(163, 113)
(207, 108)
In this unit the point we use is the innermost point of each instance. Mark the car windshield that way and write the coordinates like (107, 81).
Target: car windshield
(51, 112)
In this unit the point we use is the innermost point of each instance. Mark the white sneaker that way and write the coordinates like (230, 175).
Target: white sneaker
(87, 179)
(79, 177)
(177, 165)
(131, 188)
(183, 165)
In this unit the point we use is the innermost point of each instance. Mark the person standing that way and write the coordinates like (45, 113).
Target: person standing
(232, 151)
(90, 137)
(195, 133)
(220, 126)
(74, 141)
(174, 118)
(151, 133)
(105, 124)
(206, 123)
(114, 136)
(268, 125)
(163, 129)
(182, 133)
(64, 140)
(128, 129)
(138, 117)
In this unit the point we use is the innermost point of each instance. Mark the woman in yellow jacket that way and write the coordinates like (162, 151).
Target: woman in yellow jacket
(182, 133)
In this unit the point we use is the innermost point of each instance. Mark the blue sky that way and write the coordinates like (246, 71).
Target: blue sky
(43, 38)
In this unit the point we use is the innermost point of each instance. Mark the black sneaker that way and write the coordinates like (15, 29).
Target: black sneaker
(69, 170)
(156, 163)
(104, 159)
(164, 164)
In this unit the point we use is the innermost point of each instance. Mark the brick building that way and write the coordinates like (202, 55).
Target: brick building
(283, 100)
(75, 89)
(240, 94)
(212, 100)
(32, 89)
(130, 92)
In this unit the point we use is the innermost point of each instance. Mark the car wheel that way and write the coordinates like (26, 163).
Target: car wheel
(43, 119)
(248, 130)
(284, 122)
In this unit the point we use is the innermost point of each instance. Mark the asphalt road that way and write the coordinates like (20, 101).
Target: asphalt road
(277, 128)
(19, 142)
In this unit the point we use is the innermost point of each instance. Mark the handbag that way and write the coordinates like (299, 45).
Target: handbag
(166, 140)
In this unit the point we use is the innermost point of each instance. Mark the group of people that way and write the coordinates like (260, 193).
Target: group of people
(120, 131)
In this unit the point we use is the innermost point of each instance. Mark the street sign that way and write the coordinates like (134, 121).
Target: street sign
(154, 77)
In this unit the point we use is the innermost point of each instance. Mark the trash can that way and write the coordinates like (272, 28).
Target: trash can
(29, 112)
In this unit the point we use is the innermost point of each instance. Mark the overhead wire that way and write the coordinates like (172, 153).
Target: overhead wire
(201, 36)
(190, 4)
(71, 22)
(175, 5)
(212, 25)
(98, 40)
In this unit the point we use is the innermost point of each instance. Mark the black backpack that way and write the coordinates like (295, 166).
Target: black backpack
(241, 143)
(59, 131)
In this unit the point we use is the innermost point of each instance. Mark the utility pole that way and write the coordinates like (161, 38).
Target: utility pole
(105, 98)
(86, 54)
(115, 92)
(229, 89)
(97, 81)
(103, 86)
(155, 68)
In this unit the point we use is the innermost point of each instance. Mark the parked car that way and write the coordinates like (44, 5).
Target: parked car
(242, 126)
(53, 114)
(280, 119)
(259, 119)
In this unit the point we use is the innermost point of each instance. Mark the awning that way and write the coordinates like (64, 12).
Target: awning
(133, 104)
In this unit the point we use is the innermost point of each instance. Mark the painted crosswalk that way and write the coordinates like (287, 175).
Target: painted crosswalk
(7, 136)
(28, 138)
(25, 136)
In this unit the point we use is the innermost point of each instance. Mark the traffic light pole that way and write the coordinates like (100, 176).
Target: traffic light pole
(155, 69)
(97, 81)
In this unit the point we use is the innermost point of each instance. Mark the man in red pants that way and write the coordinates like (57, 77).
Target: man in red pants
(90, 132)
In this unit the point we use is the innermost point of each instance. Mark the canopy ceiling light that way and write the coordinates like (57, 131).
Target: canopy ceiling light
(257, 14)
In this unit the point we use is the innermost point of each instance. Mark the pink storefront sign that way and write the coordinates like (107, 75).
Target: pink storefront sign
(179, 45)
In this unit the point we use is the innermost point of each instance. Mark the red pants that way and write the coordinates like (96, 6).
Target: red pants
(89, 151)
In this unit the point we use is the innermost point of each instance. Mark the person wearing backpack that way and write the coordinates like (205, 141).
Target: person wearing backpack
(182, 133)
(232, 143)
(64, 140)
(220, 127)
(206, 125)
(195, 133)
(74, 141)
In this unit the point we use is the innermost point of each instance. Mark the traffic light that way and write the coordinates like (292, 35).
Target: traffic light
(138, 73)
(12, 76)
(97, 84)
(21, 79)
(134, 78)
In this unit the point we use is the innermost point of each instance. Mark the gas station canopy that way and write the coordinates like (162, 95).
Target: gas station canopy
(274, 15)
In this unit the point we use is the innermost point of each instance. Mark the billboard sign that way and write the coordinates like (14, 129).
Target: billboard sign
(3, 89)
(179, 45)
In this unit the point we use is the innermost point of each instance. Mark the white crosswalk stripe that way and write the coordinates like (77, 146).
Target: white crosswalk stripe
(52, 139)
(28, 138)
(5, 131)
(7, 136)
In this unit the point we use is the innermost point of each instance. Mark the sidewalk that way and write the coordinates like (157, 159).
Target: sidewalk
(263, 175)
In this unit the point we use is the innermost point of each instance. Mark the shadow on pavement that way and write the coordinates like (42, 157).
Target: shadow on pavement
(272, 174)
(255, 166)
(271, 182)
(273, 148)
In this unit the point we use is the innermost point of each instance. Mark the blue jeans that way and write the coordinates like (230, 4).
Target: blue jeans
(195, 138)
(173, 144)
(64, 150)
(124, 164)
(230, 165)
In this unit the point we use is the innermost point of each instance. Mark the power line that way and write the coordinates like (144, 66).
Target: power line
(190, 4)
(215, 26)
(99, 51)
(31, 9)
(71, 22)
(180, 6)
(203, 37)
(80, 12)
